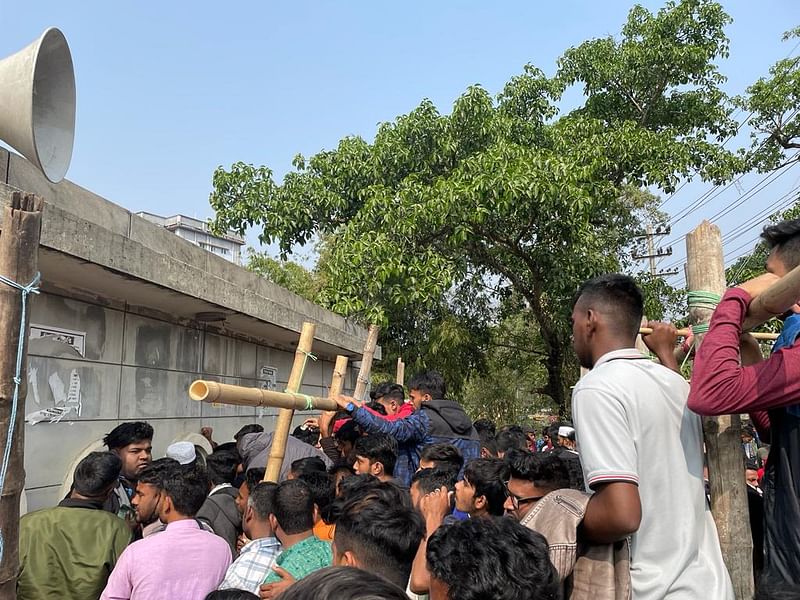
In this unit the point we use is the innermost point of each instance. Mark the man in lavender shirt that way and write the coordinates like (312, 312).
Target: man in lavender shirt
(184, 562)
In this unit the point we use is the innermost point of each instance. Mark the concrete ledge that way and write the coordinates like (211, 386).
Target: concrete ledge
(84, 225)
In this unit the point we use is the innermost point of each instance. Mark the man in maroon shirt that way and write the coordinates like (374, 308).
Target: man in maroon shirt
(769, 390)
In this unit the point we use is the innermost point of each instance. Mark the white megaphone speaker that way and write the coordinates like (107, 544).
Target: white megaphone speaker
(37, 103)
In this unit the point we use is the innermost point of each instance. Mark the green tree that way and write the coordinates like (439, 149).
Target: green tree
(774, 102)
(503, 190)
(286, 273)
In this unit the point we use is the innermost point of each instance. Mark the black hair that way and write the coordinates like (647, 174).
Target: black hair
(365, 486)
(552, 432)
(125, 434)
(308, 464)
(343, 583)
(512, 563)
(341, 465)
(389, 391)
(231, 594)
(430, 480)
(221, 466)
(306, 434)
(383, 535)
(443, 455)
(187, 486)
(377, 407)
(227, 447)
(251, 428)
(429, 382)
(488, 476)
(785, 236)
(294, 506)
(155, 473)
(321, 485)
(378, 447)
(490, 445)
(253, 477)
(510, 438)
(484, 427)
(348, 432)
(544, 469)
(96, 474)
(262, 499)
(620, 299)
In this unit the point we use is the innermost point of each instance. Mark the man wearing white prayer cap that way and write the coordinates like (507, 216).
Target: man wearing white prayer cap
(183, 452)
(566, 437)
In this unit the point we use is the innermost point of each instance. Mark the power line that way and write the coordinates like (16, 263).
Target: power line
(750, 193)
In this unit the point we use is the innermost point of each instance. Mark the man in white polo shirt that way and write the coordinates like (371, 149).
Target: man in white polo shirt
(641, 450)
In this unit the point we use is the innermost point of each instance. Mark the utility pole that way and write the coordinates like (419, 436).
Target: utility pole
(653, 253)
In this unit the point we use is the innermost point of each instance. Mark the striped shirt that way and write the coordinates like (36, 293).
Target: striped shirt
(254, 563)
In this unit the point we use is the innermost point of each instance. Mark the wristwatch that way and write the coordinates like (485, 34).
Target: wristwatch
(350, 407)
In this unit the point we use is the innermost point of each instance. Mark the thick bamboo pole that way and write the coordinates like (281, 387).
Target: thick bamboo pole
(775, 300)
(401, 372)
(281, 433)
(213, 392)
(19, 259)
(686, 332)
(706, 272)
(366, 363)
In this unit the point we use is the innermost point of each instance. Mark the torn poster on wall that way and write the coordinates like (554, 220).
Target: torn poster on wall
(269, 378)
(76, 339)
(68, 400)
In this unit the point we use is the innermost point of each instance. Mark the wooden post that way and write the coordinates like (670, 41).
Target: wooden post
(284, 423)
(19, 259)
(705, 271)
(401, 372)
(366, 363)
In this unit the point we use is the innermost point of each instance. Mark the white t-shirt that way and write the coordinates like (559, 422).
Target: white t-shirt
(633, 425)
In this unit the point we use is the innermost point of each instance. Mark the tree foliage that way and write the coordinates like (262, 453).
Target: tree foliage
(504, 189)
(774, 102)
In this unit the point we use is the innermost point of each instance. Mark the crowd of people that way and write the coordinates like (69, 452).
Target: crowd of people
(404, 496)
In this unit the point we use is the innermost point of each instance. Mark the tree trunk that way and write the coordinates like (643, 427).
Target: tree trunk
(19, 259)
(705, 271)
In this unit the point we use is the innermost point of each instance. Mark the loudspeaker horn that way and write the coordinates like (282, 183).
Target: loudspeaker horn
(37, 103)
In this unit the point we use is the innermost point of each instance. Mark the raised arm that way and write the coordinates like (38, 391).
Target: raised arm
(721, 385)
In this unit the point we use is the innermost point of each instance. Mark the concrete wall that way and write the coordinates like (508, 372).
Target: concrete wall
(135, 367)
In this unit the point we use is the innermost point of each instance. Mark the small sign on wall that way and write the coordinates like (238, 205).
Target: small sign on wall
(269, 376)
(76, 339)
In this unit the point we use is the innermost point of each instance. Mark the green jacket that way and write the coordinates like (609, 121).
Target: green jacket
(68, 552)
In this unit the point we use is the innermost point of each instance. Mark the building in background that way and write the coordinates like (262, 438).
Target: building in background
(198, 233)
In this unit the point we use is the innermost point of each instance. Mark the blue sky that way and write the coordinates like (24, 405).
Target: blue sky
(168, 91)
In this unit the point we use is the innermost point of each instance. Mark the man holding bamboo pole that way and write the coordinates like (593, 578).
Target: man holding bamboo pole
(729, 376)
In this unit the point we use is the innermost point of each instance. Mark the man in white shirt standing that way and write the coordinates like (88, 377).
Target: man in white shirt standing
(642, 452)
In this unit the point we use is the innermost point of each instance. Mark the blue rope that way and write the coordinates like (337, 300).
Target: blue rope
(26, 290)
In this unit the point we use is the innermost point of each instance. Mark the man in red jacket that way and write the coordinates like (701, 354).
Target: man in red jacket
(728, 379)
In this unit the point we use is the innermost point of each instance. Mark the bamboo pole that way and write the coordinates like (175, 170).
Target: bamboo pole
(19, 258)
(284, 423)
(774, 301)
(686, 332)
(401, 372)
(366, 363)
(213, 392)
(337, 379)
(705, 271)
